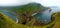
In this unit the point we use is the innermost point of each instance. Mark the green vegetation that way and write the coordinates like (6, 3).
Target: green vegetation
(26, 20)
(6, 22)
(25, 12)
(56, 18)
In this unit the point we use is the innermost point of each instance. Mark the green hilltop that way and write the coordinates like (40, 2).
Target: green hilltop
(24, 13)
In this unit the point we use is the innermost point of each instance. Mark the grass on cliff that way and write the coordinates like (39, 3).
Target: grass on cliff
(7, 22)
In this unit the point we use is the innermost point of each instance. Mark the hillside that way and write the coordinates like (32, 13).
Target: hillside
(24, 13)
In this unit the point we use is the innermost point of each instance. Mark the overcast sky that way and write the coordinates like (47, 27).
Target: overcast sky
(21, 2)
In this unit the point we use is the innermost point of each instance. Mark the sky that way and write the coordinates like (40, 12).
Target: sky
(22, 2)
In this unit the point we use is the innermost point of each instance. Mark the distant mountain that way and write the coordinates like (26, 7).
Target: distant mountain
(54, 6)
(32, 5)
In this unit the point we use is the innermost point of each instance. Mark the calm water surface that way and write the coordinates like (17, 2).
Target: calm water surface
(45, 17)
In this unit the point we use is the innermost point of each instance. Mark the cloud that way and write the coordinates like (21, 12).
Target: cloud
(13, 2)
(50, 2)
(22, 2)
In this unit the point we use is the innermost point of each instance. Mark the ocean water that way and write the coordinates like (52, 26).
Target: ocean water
(45, 16)
(11, 15)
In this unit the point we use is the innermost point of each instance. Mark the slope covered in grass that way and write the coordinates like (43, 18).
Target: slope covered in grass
(7, 22)
(24, 12)
(56, 16)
